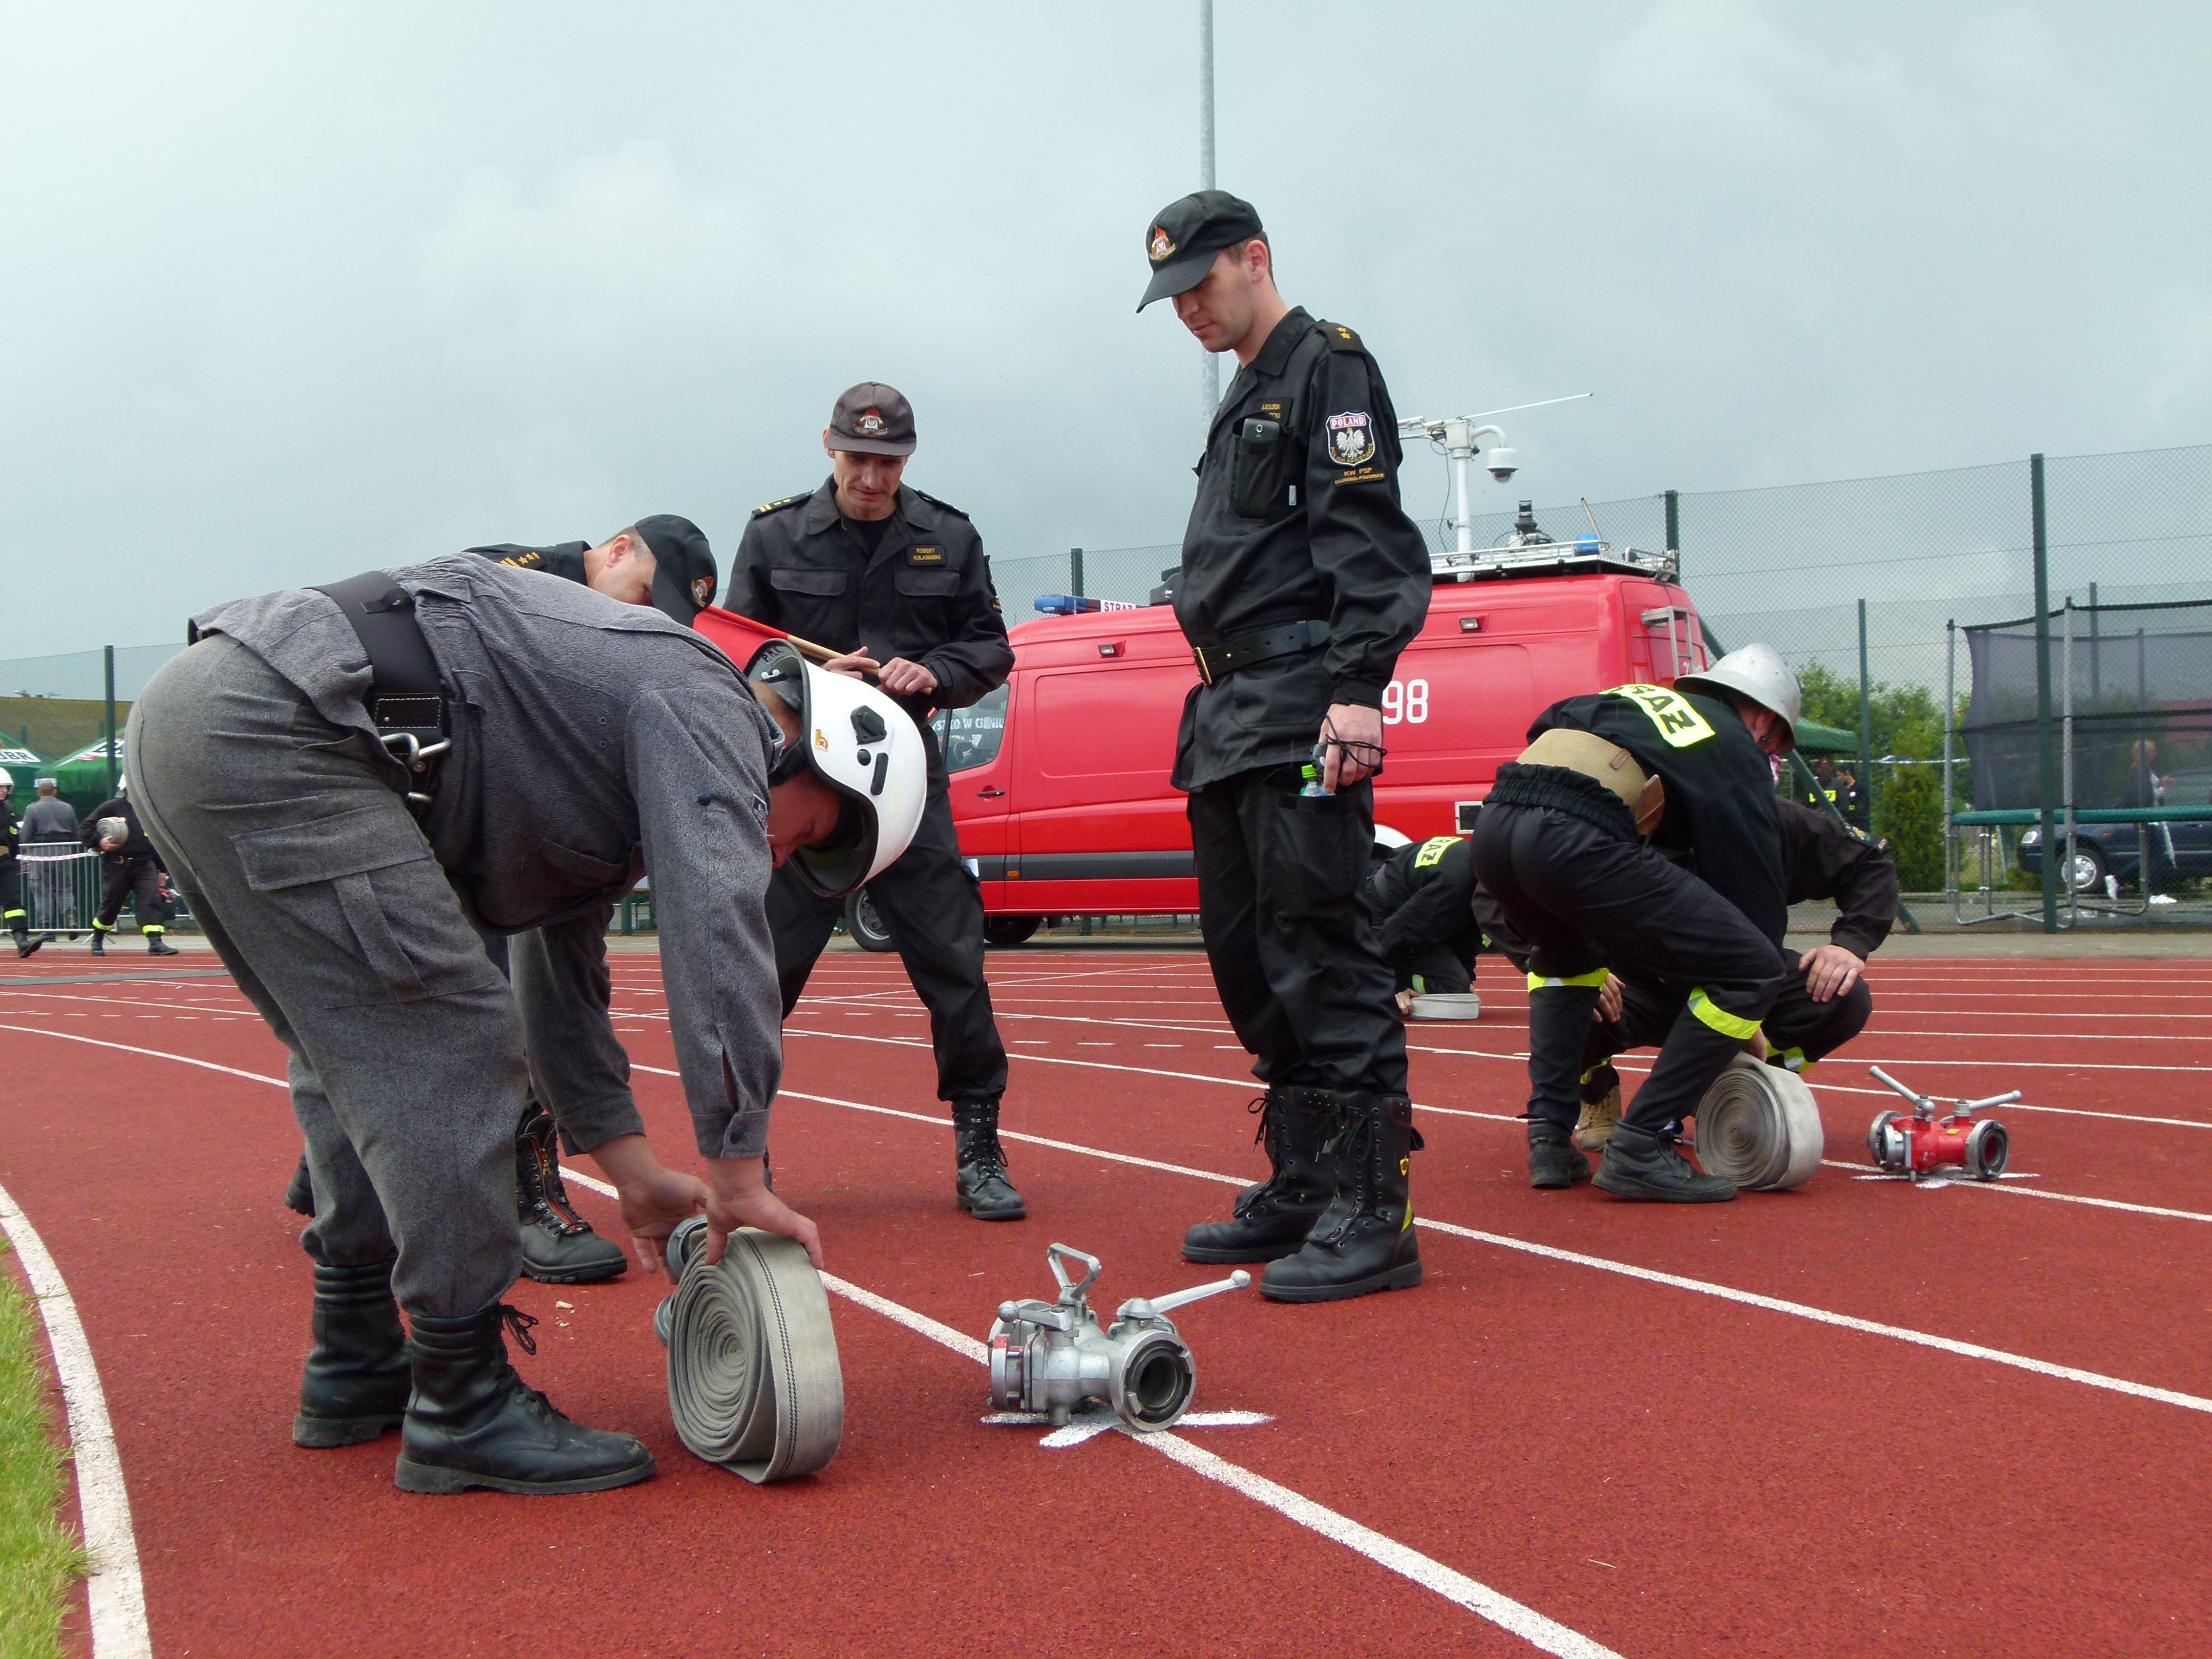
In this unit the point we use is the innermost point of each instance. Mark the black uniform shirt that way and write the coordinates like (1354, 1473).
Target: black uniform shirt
(924, 594)
(1721, 804)
(1425, 896)
(1823, 859)
(1297, 518)
(134, 844)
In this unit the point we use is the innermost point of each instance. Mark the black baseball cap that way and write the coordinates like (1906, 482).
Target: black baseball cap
(1185, 236)
(872, 419)
(685, 577)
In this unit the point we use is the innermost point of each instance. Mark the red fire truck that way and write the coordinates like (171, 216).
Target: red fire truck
(1060, 778)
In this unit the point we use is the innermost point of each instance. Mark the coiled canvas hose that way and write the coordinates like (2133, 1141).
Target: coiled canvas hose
(1758, 1125)
(753, 1381)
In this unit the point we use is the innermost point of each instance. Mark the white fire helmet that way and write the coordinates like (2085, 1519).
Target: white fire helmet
(863, 745)
(1756, 672)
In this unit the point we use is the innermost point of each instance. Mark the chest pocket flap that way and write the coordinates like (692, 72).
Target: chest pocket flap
(926, 584)
(800, 578)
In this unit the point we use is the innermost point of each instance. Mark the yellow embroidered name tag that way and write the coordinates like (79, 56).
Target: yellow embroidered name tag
(925, 555)
(1678, 722)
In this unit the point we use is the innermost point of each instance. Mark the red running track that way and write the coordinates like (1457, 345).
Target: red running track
(1956, 1421)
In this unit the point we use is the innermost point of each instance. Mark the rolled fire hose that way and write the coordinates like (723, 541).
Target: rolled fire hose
(1447, 1005)
(1758, 1125)
(753, 1381)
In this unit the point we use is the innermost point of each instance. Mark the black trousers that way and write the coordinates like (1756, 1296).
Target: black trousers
(138, 879)
(11, 896)
(1294, 953)
(1585, 900)
(934, 910)
(1799, 1031)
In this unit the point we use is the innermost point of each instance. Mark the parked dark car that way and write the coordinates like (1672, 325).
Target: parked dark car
(2178, 850)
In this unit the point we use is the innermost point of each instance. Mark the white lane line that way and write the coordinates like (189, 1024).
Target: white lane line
(1627, 1270)
(151, 1053)
(2038, 1192)
(1546, 1635)
(115, 1594)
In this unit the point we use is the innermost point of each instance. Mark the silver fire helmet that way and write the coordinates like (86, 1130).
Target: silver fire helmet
(1756, 672)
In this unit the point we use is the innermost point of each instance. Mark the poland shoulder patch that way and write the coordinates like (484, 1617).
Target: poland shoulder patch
(1350, 438)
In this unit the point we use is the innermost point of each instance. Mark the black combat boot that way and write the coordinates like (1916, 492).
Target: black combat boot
(472, 1422)
(299, 1191)
(1641, 1164)
(558, 1245)
(1365, 1239)
(99, 942)
(1272, 1218)
(980, 1181)
(158, 947)
(357, 1381)
(1553, 1159)
(26, 945)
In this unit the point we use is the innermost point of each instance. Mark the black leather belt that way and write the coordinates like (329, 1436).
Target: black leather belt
(405, 702)
(1215, 662)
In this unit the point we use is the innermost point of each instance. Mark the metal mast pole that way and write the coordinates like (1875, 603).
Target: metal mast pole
(1210, 381)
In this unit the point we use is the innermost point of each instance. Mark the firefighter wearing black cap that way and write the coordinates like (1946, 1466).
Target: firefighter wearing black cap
(11, 875)
(129, 868)
(665, 562)
(1559, 847)
(896, 581)
(1823, 1004)
(1302, 581)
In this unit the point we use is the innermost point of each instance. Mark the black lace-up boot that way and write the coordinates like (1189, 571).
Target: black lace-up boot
(980, 1182)
(1554, 1161)
(1641, 1164)
(472, 1422)
(300, 1192)
(357, 1380)
(1272, 1218)
(558, 1245)
(1365, 1239)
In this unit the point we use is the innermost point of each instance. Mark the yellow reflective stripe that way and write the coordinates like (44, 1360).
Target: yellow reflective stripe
(1538, 983)
(1728, 1024)
(1679, 723)
(1433, 850)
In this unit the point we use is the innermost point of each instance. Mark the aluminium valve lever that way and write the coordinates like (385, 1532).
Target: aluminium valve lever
(1051, 1358)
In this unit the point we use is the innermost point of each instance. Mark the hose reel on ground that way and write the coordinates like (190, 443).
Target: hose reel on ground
(1052, 1357)
(1758, 1125)
(753, 1380)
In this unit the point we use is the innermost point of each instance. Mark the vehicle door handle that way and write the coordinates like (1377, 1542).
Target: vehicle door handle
(990, 792)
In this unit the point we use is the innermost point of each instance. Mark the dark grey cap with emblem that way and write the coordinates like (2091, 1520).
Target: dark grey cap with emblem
(872, 419)
(685, 577)
(1185, 236)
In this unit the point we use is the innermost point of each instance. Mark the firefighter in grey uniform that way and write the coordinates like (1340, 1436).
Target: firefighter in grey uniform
(662, 560)
(348, 784)
(897, 580)
(1302, 581)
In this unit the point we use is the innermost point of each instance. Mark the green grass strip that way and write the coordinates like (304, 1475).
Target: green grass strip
(40, 1557)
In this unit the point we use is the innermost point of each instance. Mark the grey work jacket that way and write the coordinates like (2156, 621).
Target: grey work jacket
(592, 740)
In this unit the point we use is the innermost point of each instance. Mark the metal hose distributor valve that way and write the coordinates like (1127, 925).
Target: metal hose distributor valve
(1051, 1358)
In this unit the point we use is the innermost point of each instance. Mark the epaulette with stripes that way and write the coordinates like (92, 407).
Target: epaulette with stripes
(788, 500)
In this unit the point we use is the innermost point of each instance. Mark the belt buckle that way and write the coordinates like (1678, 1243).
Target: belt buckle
(1204, 669)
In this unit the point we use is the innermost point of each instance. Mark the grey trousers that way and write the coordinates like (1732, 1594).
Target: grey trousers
(320, 893)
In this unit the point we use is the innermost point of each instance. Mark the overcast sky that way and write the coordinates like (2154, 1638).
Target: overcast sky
(287, 291)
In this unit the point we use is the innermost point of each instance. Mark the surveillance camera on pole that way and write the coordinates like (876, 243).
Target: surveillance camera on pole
(1461, 439)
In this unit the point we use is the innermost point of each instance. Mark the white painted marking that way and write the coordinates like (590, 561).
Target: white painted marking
(115, 1594)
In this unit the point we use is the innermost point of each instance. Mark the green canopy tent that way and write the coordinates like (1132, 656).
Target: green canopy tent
(25, 766)
(82, 779)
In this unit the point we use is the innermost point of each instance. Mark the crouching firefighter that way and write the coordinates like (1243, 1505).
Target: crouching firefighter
(1824, 1002)
(347, 783)
(1422, 898)
(665, 562)
(1561, 848)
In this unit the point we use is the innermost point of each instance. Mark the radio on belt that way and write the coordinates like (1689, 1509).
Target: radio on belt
(1918, 1144)
(1051, 1358)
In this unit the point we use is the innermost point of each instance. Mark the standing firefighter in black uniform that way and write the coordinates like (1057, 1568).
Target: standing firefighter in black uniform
(11, 875)
(1302, 581)
(664, 562)
(897, 581)
(1559, 848)
(129, 868)
(1823, 1004)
